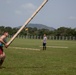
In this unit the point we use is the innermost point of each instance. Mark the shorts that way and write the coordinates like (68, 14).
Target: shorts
(44, 44)
(1, 50)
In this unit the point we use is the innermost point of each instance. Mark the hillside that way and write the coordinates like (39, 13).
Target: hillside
(41, 26)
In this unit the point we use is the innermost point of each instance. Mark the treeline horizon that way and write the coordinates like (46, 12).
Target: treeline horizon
(62, 31)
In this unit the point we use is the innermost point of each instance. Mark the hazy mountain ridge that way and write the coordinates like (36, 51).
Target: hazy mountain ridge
(40, 26)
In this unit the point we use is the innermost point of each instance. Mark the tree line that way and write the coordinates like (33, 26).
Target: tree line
(62, 31)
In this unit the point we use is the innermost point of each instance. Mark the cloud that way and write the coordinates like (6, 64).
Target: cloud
(27, 8)
(8, 1)
(18, 12)
(72, 18)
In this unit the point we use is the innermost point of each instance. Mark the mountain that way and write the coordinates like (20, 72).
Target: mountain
(40, 26)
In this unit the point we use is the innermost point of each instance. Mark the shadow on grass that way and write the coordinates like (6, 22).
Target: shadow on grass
(25, 67)
(2, 67)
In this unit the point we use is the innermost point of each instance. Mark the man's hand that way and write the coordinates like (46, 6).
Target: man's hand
(6, 45)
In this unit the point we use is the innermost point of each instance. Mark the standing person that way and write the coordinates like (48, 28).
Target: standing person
(44, 42)
(3, 42)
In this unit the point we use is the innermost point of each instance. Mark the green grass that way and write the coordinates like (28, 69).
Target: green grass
(53, 61)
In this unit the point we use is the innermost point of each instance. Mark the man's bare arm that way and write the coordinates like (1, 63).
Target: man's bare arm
(2, 41)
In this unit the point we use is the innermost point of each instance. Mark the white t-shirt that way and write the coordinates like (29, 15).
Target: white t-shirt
(44, 39)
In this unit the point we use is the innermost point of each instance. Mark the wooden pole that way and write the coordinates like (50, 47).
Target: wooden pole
(26, 23)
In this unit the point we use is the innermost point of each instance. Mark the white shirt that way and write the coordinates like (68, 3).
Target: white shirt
(44, 39)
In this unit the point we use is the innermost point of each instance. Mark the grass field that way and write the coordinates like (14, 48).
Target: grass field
(58, 59)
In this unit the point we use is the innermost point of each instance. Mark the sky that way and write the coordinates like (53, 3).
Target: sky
(56, 13)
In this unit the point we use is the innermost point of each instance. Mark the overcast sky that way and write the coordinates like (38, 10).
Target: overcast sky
(56, 13)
